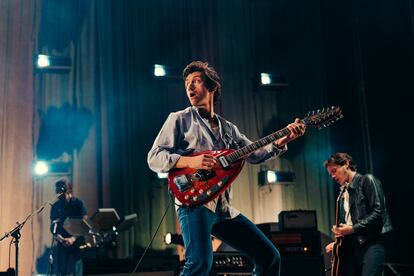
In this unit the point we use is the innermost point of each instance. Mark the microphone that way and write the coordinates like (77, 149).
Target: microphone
(55, 223)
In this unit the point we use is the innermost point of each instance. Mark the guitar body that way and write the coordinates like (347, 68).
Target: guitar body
(195, 187)
(338, 251)
(337, 256)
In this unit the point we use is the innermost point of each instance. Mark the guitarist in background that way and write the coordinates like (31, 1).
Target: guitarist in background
(198, 128)
(67, 256)
(365, 219)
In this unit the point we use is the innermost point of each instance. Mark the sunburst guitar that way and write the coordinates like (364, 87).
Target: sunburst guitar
(196, 186)
(338, 246)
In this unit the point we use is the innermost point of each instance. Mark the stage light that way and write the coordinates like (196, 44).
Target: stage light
(269, 81)
(52, 64)
(171, 238)
(43, 168)
(42, 61)
(265, 78)
(162, 175)
(272, 177)
(40, 168)
(163, 72)
(159, 70)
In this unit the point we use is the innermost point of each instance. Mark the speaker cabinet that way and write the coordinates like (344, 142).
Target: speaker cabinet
(298, 220)
(302, 265)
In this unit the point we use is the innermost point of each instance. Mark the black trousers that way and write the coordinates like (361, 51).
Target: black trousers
(363, 260)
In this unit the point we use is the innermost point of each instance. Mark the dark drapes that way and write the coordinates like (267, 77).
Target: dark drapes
(369, 61)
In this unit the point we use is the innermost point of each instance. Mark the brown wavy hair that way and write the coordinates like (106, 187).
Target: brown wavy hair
(340, 159)
(210, 77)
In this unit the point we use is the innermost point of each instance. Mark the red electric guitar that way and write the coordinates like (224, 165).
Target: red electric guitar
(196, 186)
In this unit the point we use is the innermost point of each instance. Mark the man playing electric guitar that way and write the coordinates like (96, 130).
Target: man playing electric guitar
(365, 220)
(198, 128)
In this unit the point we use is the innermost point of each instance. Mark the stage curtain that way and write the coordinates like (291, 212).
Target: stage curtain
(17, 25)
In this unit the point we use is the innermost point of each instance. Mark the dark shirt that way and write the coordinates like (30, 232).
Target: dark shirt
(67, 260)
(62, 210)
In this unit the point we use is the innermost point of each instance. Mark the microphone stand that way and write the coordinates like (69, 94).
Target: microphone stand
(15, 232)
(52, 247)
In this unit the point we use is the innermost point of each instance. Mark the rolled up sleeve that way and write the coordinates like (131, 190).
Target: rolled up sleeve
(163, 157)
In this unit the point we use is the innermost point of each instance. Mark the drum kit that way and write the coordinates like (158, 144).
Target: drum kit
(101, 230)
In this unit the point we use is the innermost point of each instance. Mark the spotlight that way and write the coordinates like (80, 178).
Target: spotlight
(52, 64)
(269, 81)
(166, 72)
(171, 238)
(272, 177)
(40, 168)
(42, 61)
(265, 78)
(43, 168)
(159, 70)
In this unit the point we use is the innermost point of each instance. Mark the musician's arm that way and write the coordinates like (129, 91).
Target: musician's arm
(162, 156)
(375, 197)
(55, 222)
(260, 155)
(296, 129)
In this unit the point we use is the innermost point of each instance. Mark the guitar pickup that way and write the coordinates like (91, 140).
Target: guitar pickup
(182, 183)
(223, 161)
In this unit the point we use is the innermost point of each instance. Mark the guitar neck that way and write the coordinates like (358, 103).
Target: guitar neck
(319, 118)
(338, 203)
(244, 151)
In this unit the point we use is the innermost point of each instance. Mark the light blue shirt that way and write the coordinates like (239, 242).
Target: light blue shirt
(186, 132)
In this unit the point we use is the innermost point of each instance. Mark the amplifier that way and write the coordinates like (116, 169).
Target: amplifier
(298, 220)
(231, 263)
(302, 242)
(299, 243)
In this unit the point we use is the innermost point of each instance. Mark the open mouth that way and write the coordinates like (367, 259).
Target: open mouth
(192, 94)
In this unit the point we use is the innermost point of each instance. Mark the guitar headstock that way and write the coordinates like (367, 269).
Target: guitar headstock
(323, 118)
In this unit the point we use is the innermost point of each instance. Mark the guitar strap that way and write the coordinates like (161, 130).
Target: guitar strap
(230, 143)
(228, 134)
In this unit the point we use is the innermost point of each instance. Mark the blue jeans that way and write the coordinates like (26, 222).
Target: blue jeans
(199, 223)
